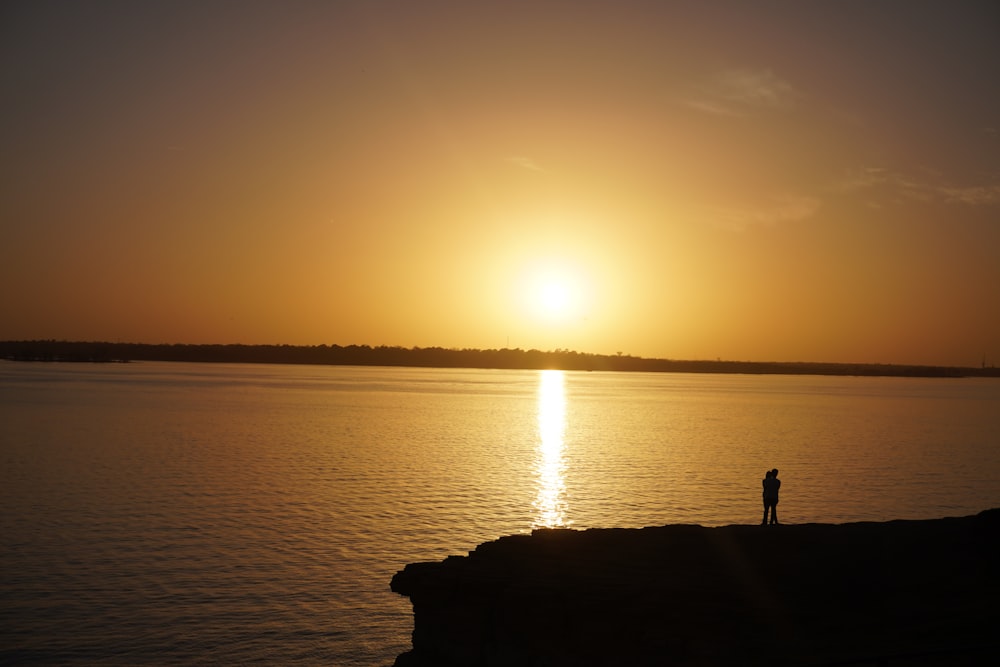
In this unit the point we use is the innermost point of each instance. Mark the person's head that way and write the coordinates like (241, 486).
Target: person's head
(774, 473)
(768, 474)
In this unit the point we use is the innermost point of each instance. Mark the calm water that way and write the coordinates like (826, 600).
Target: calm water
(219, 514)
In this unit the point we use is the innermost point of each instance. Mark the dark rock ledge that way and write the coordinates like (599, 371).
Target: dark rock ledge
(899, 593)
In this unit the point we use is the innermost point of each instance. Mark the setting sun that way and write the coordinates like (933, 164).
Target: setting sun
(556, 298)
(554, 293)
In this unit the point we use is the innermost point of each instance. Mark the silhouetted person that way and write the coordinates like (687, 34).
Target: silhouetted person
(771, 485)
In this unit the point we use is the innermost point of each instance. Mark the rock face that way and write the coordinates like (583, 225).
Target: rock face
(896, 593)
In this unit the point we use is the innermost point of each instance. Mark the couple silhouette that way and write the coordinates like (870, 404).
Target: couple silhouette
(771, 485)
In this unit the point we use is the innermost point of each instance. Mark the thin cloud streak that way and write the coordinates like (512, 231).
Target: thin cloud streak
(739, 92)
(525, 163)
(781, 209)
(977, 195)
(897, 185)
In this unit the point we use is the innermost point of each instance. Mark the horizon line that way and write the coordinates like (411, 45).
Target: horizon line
(564, 352)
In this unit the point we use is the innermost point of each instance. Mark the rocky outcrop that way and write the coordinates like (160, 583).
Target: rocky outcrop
(895, 593)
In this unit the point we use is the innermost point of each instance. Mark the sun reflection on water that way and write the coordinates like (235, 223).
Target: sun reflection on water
(550, 506)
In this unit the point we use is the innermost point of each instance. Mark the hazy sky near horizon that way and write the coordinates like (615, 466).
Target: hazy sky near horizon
(753, 181)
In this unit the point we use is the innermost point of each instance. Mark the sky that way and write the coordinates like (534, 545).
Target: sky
(765, 181)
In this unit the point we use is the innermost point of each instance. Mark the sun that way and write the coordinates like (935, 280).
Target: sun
(555, 298)
(555, 294)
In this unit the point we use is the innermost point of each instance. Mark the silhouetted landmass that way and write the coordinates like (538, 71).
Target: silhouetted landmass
(900, 593)
(437, 357)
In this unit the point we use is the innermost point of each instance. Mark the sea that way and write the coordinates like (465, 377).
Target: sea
(222, 514)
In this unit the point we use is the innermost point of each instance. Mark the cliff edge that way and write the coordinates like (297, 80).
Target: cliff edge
(898, 593)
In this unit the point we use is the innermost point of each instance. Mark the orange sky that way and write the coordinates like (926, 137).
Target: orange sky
(750, 181)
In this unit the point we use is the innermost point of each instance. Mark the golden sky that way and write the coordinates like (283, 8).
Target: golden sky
(785, 181)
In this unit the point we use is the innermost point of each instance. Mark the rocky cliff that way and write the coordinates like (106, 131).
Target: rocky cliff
(896, 593)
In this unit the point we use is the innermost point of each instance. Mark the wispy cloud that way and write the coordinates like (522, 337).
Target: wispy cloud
(780, 209)
(525, 163)
(862, 178)
(741, 91)
(976, 195)
(710, 106)
(885, 184)
(760, 88)
(879, 178)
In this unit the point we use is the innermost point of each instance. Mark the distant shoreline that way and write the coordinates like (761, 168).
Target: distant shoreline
(436, 357)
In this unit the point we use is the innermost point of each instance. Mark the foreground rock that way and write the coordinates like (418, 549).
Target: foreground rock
(896, 593)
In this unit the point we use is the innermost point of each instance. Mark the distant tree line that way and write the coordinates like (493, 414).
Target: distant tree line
(439, 357)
